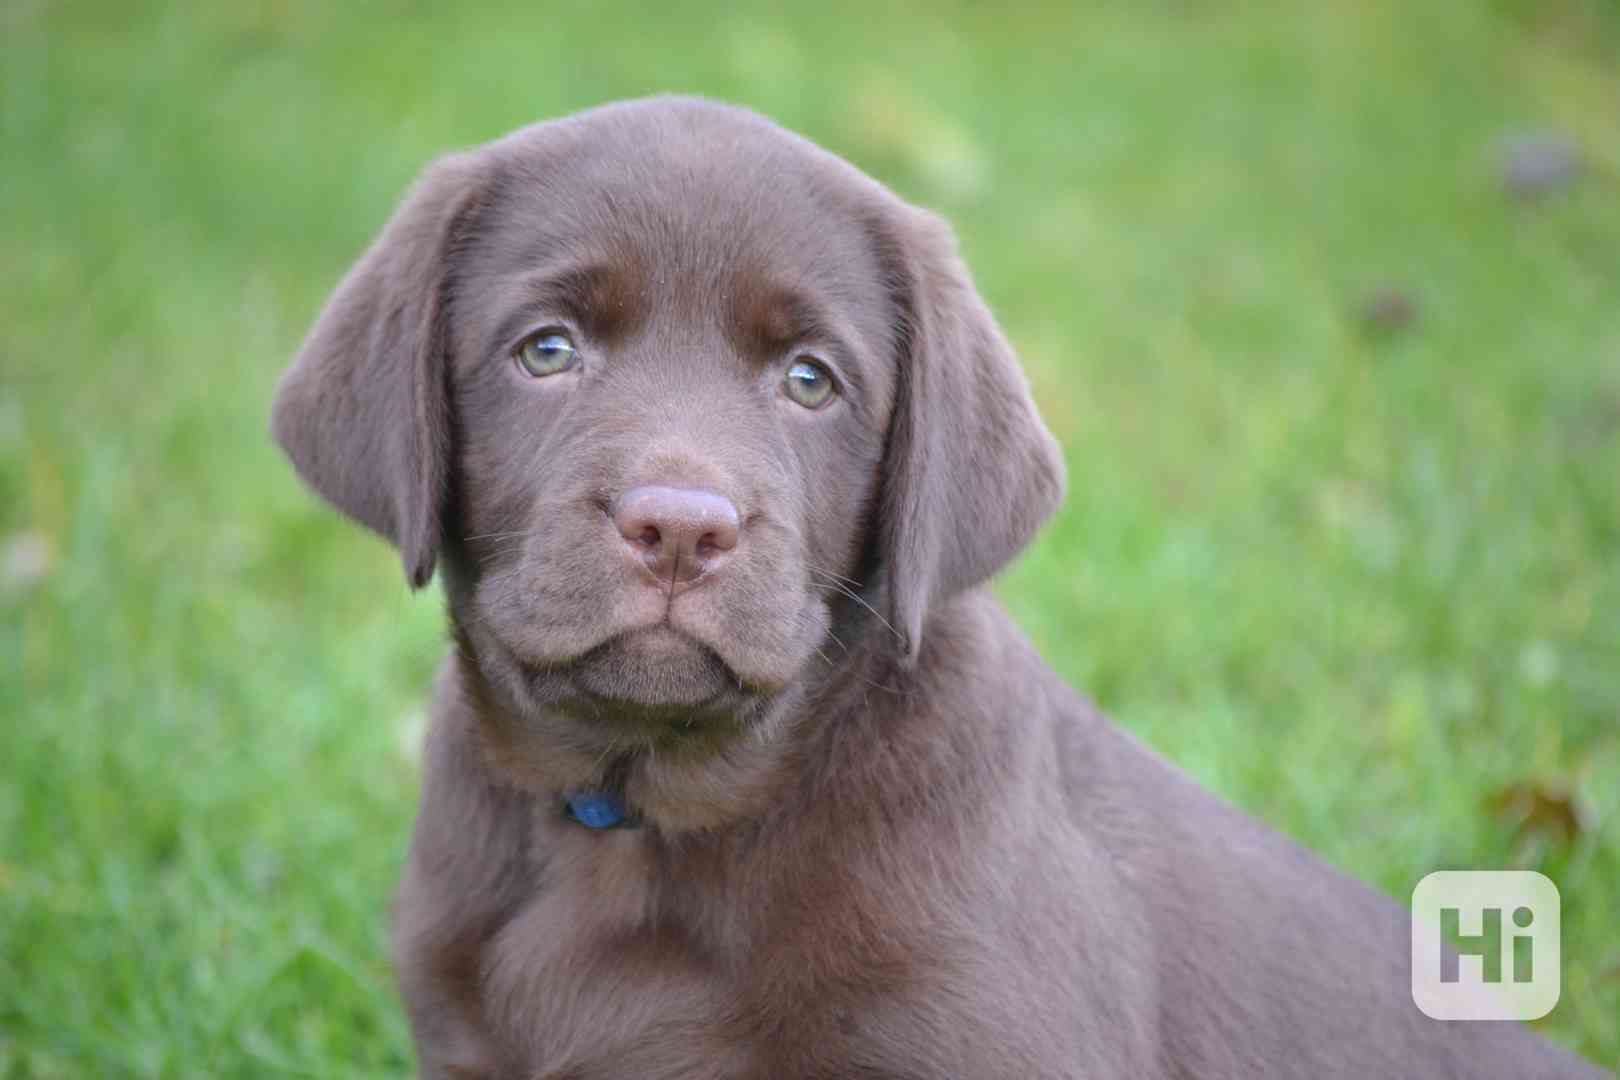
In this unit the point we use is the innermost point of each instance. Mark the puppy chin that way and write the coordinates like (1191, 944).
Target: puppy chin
(555, 724)
(657, 668)
(628, 668)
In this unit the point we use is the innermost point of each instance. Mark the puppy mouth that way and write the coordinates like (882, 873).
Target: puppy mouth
(660, 678)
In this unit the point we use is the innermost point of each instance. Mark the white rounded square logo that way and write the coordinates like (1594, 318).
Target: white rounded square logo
(1485, 945)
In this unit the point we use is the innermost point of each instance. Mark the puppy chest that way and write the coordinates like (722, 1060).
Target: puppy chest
(598, 997)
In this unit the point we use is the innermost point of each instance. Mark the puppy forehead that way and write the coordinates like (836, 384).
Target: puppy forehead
(731, 221)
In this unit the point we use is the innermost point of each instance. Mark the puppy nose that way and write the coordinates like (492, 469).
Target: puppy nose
(678, 532)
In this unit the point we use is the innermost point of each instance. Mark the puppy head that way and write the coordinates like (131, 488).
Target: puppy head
(685, 408)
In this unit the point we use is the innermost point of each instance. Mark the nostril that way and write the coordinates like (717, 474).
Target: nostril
(721, 538)
(649, 537)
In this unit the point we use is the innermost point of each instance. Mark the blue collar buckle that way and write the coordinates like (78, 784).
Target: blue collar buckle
(597, 809)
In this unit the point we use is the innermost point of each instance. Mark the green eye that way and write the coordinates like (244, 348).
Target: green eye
(547, 353)
(809, 384)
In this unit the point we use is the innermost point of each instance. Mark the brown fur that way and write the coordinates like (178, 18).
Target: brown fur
(877, 837)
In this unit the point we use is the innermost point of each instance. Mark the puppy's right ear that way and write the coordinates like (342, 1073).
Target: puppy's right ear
(363, 411)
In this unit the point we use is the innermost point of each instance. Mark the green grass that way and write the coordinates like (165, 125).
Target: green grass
(1359, 587)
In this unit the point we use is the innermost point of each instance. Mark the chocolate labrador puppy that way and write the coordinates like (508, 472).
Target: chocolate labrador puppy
(737, 770)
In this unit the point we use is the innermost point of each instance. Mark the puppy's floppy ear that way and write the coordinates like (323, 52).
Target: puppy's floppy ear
(971, 471)
(363, 411)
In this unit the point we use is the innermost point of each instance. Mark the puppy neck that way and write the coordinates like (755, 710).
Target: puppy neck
(672, 787)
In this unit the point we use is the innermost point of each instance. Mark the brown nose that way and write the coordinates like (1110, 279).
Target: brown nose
(678, 532)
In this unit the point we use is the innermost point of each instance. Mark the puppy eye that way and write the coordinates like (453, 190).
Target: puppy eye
(808, 383)
(547, 353)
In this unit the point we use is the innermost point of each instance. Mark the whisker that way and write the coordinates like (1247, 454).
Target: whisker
(895, 690)
(847, 591)
(496, 535)
(838, 577)
(597, 764)
(837, 642)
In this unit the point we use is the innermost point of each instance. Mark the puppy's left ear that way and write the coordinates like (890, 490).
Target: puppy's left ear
(363, 411)
(971, 472)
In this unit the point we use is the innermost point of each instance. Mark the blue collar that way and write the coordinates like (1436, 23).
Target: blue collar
(597, 809)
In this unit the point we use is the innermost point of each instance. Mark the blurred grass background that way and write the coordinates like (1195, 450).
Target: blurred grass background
(1342, 416)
